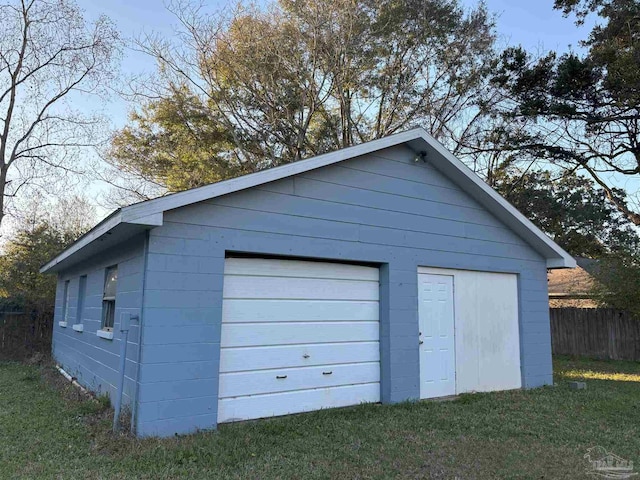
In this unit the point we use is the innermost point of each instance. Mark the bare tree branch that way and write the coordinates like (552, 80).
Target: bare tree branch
(49, 56)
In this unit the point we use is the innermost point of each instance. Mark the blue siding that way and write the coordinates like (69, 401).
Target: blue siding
(93, 360)
(381, 208)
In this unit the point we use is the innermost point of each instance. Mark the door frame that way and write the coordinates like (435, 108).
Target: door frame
(445, 273)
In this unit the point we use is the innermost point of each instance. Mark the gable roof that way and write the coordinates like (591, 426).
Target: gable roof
(128, 221)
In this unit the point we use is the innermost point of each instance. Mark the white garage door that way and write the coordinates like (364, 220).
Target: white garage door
(297, 336)
(469, 331)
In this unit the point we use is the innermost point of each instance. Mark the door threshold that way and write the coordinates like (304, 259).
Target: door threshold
(440, 399)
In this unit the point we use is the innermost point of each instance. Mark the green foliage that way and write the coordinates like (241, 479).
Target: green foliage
(571, 210)
(580, 111)
(24, 254)
(618, 282)
(94, 406)
(272, 85)
(177, 142)
(43, 230)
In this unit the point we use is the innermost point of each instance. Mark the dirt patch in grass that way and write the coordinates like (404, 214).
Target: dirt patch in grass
(93, 409)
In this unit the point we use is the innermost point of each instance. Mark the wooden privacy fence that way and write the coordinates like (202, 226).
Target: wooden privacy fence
(23, 334)
(595, 332)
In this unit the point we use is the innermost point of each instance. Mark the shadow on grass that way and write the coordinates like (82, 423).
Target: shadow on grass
(576, 368)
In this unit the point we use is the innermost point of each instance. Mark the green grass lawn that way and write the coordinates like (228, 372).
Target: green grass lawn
(50, 432)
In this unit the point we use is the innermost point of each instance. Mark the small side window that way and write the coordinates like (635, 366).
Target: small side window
(82, 291)
(65, 301)
(109, 298)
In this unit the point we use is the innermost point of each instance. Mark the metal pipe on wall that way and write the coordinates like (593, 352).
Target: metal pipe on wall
(136, 385)
(125, 323)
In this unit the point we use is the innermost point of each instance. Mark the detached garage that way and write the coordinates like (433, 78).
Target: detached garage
(383, 272)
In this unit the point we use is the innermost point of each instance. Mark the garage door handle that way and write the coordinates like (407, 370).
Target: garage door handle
(280, 377)
(327, 373)
(421, 342)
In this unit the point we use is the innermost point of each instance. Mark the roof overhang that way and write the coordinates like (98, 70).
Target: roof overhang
(116, 228)
(135, 218)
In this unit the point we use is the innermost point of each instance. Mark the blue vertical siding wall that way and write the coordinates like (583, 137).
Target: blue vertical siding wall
(381, 208)
(93, 360)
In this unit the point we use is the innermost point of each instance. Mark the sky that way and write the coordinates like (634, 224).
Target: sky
(531, 23)
(534, 24)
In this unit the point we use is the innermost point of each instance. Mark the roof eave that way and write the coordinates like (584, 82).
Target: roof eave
(105, 227)
(150, 213)
(563, 262)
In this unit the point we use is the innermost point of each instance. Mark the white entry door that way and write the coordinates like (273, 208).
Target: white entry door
(297, 336)
(437, 339)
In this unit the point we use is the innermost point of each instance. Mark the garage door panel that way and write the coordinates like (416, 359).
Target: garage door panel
(300, 269)
(289, 379)
(279, 356)
(233, 409)
(265, 310)
(298, 288)
(256, 334)
(297, 336)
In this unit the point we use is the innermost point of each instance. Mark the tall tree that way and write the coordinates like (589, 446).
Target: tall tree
(48, 56)
(581, 111)
(174, 142)
(42, 231)
(264, 87)
(571, 210)
(617, 282)
(24, 254)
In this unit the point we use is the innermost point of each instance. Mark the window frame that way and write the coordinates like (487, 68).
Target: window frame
(109, 301)
(82, 293)
(65, 300)
(65, 304)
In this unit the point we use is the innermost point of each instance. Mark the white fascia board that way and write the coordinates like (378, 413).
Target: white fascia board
(225, 187)
(154, 219)
(93, 234)
(553, 263)
(115, 219)
(151, 212)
